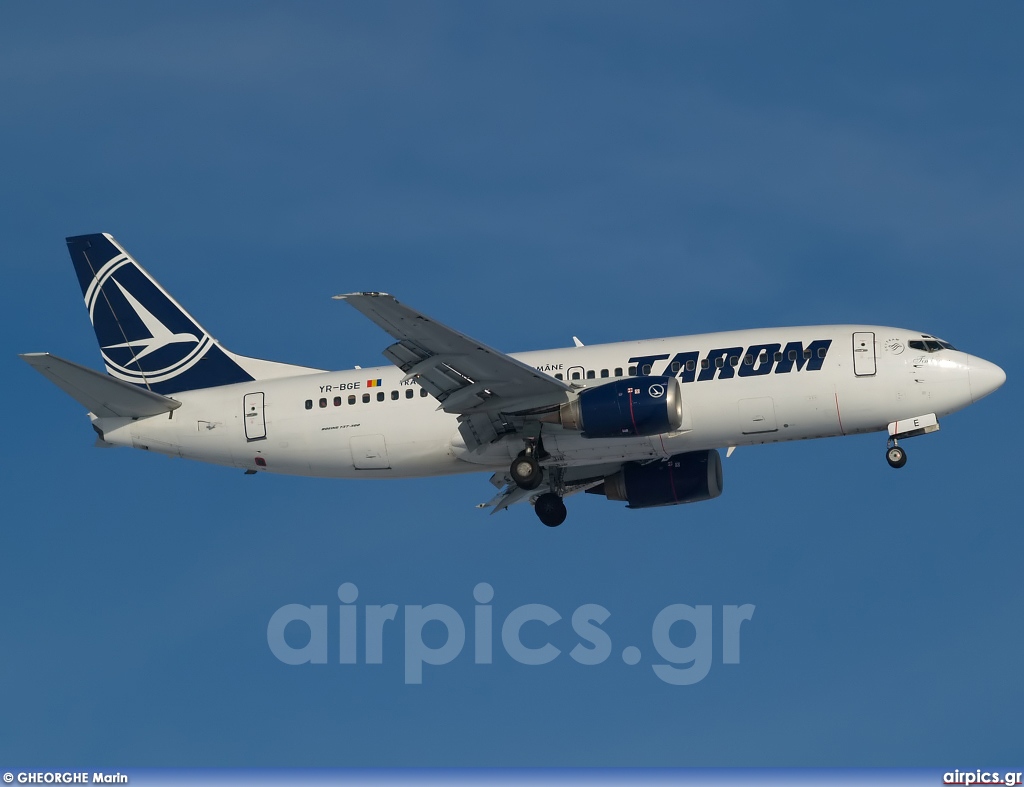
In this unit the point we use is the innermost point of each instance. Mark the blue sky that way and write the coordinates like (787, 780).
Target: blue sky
(523, 172)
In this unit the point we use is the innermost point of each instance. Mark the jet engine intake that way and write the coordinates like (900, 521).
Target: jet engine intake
(632, 407)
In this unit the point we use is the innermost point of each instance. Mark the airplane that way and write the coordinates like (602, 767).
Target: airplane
(640, 422)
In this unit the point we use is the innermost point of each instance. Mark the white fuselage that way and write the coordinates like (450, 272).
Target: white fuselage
(306, 425)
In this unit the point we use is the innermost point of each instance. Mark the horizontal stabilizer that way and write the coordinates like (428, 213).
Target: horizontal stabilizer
(102, 395)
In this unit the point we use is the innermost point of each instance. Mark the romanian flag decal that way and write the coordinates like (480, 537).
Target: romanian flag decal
(374, 383)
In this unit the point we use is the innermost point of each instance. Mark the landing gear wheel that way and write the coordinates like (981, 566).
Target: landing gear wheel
(895, 456)
(550, 509)
(525, 471)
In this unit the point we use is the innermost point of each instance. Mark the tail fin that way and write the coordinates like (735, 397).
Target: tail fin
(145, 336)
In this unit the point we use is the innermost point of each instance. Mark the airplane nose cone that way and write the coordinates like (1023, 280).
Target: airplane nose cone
(984, 377)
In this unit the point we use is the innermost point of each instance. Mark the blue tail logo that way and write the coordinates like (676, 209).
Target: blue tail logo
(145, 336)
(160, 335)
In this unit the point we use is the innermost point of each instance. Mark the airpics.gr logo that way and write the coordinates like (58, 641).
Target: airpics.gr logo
(144, 336)
(527, 634)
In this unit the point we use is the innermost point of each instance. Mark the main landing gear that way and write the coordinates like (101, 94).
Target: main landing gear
(894, 455)
(550, 509)
(525, 469)
(527, 474)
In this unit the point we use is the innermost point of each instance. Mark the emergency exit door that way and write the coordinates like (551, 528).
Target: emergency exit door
(369, 452)
(864, 353)
(757, 415)
(255, 422)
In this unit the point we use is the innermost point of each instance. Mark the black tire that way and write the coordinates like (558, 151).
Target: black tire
(896, 456)
(525, 471)
(550, 509)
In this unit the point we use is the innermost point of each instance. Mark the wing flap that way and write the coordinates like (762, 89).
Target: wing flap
(100, 394)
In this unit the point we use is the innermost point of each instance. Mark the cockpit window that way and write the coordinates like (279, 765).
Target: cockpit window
(930, 345)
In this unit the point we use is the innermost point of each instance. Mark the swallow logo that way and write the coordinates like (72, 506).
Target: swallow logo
(656, 391)
(159, 335)
(145, 337)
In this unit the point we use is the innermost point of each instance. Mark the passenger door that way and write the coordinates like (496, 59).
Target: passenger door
(863, 353)
(255, 421)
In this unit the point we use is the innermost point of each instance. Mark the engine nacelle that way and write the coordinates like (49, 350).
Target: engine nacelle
(684, 478)
(633, 407)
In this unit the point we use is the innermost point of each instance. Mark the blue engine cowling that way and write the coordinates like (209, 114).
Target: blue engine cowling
(633, 407)
(684, 478)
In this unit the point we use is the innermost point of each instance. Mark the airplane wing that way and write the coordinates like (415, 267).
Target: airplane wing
(101, 394)
(470, 379)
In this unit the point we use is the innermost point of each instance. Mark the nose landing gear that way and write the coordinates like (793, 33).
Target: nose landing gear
(895, 456)
(908, 427)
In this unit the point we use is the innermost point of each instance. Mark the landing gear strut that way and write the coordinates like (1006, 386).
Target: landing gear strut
(894, 455)
(550, 509)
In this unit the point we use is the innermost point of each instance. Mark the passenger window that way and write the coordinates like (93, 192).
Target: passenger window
(675, 366)
(618, 371)
(309, 404)
(380, 396)
(576, 375)
(763, 357)
(807, 354)
(720, 361)
(604, 372)
(647, 369)
(394, 394)
(337, 401)
(778, 357)
(423, 392)
(705, 363)
(352, 399)
(748, 360)
(792, 355)
(821, 352)
(590, 374)
(632, 371)
(366, 398)
(323, 402)
(690, 366)
(734, 361)
(408, 393)
(558, 376)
